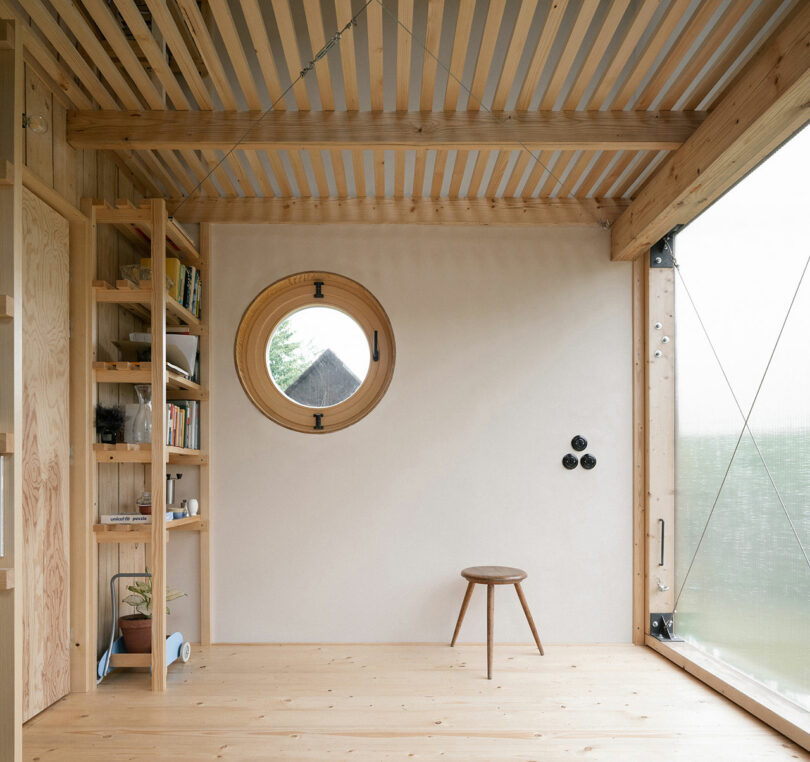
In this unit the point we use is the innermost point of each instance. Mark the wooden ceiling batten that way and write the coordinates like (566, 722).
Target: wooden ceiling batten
(279, 173)
(348, 63)
(513, 54)
(233, 44)
(374, 27)
(510, 191)
(419, 174)
(541, 54)
(405, 19)
(258, 171)
(312, 9)
(433, 38)
(461, 40)
(339, 173)
(264, 54)
(289, 45)
(485, 53)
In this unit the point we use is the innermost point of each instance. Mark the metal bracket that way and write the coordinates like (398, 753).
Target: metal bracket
(375, 355)
(661, 628)
(318, 290)
(662, 252)
(318, 425)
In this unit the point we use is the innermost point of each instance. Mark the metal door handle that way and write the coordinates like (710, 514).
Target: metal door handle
(663, 526)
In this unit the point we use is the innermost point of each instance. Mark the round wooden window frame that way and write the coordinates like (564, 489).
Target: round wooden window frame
(275, 303)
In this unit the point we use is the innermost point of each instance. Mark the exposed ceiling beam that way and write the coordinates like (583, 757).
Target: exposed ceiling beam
(766, 104)
(221, 130)
(482, 211)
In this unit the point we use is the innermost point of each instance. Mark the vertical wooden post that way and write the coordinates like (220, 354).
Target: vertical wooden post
(639, 292)
(159, 452)
(83, 470)
(660, 455)
(205, 434)
(11, 161)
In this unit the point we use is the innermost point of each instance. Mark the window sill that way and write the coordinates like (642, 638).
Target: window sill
(767, 705)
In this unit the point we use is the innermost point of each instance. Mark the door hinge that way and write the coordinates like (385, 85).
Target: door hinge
(662, 627)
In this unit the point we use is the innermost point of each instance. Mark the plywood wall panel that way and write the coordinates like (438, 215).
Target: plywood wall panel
(45, 455)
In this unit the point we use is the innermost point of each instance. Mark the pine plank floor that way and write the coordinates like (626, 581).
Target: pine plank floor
(405, 702)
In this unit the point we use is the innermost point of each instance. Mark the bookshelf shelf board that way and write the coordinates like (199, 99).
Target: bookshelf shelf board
(131, 660)
(141, 373)
(133, 453)
(6, 307)
(138, 302)
(135, 224)
(142, 533)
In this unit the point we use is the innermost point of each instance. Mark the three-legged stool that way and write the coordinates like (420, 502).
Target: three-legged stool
(491, 576)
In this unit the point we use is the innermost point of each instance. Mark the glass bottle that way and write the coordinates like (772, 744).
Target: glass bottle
(142, 424)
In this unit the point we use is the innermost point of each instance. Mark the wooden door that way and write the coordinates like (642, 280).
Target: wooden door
(45, 457)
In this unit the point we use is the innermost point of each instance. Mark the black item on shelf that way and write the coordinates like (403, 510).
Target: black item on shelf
(109, 423)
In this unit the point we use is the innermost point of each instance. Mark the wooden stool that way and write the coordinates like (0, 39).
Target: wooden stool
(491, 576)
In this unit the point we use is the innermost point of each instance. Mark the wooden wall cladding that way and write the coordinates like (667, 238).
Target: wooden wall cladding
(75, 174)
(45, 450)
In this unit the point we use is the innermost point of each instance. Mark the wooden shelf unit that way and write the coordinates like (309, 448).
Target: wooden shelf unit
(157, 236)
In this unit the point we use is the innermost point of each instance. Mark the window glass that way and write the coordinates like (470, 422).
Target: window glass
(743, 492)
(318, 356)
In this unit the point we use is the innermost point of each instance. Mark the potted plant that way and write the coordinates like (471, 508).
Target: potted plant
(137, 628)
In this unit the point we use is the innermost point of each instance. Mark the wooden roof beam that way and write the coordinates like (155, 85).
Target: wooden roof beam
(483, 211)
(766, 104)
(219, 130)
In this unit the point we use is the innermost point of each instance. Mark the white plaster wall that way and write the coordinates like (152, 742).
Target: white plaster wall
(509, 342)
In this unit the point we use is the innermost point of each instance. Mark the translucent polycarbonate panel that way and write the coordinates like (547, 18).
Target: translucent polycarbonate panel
(318, 356)
(742, 504)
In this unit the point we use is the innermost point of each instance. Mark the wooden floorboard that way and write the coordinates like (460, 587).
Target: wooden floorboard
(403, 702)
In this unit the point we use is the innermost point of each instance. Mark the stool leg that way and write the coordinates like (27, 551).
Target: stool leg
(464, 604)
(490, 627)
(528, 614)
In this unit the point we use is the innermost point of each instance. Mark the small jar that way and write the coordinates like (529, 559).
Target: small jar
(144, 503)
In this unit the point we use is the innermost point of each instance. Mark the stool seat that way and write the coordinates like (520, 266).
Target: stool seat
(494, 575)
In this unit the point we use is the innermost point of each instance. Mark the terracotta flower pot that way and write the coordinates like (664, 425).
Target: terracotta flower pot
(137, 632)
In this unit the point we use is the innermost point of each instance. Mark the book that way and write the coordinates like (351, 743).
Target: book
(172, 271)
(126, 518)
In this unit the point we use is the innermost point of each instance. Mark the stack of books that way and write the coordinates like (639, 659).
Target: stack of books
(183, 424)
(187, 288)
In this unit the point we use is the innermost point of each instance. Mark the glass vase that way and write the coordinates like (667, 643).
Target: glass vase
(142, 423)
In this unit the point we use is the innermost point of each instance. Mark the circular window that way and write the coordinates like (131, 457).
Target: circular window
(315, 352)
